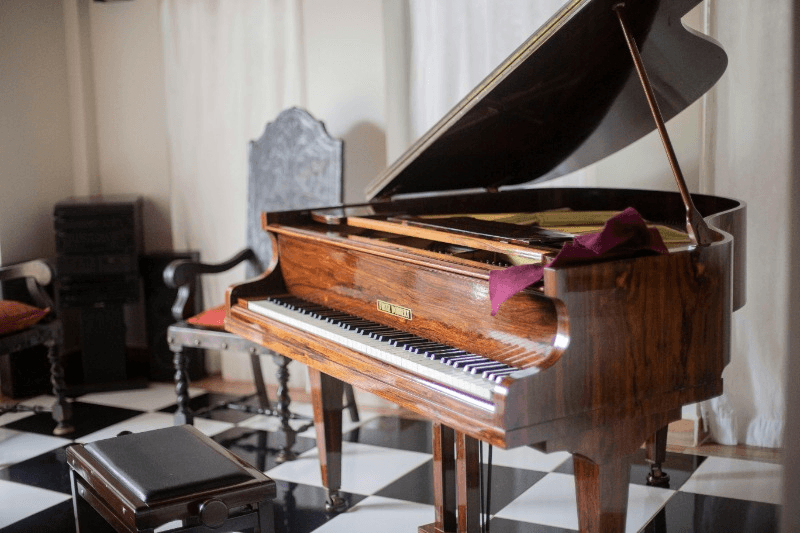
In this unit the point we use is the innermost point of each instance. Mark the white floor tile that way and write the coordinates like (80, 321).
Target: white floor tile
(526, 457)
(150, 421)
(17, 446)
(365, 468)
(552, 502)
(380, 514)
(156, 396)
(737, 478)
(42, 401)
(18, 501)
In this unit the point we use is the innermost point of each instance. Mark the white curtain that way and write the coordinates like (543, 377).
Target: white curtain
(750, 151)
(455, 43)
(230, 67)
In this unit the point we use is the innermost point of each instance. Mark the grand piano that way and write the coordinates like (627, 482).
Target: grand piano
(597, 358)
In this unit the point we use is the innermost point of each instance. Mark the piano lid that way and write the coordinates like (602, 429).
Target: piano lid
(567, 97)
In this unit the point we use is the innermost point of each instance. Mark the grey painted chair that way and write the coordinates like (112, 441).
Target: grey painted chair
(295, 164)
(30, 323)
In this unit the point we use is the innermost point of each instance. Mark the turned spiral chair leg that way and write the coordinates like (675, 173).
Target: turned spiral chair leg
(183, 415)
(62, 409)
(284, 401)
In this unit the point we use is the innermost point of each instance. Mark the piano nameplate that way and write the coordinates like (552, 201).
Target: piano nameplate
(396, 310)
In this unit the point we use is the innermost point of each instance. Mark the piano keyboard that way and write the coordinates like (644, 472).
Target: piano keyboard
(467, 372)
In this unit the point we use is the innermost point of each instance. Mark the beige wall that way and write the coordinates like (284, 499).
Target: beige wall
(35, 150)
(346, 83)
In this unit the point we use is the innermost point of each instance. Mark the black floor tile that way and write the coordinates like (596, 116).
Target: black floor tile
(260, 448)
(87, 418)
(679, 466)
(698, 513)
(47, 471)
(394, 432)
(301, 508)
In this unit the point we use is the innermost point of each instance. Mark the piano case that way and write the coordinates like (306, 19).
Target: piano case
(596, 358)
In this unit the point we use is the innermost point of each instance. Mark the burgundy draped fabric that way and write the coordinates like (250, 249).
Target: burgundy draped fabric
(625, 232)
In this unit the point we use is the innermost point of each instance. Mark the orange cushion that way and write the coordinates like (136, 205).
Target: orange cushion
(211, 318)
(16, 316)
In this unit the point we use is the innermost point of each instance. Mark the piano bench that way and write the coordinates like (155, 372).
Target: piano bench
(138, 482)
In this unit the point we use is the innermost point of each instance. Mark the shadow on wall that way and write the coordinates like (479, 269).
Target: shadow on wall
(157, 229)
(364, 159)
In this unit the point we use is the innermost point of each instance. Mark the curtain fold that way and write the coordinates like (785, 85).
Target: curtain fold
(750, 151)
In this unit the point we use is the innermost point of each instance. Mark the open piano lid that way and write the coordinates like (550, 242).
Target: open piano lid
(567, 97)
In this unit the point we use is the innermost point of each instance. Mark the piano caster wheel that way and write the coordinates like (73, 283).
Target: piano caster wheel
(657, 477)
(335, 503)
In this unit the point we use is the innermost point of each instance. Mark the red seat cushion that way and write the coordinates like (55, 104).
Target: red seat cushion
(210, 318)
(16, 316)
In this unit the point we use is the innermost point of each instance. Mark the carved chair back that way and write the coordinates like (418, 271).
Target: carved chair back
(295, 164)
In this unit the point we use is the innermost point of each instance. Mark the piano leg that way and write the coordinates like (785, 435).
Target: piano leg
(656, 448)
(326, 397)
(602, 491)
(455, 482)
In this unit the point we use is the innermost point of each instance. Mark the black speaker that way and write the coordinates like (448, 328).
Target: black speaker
(102, 333)
(25, 373)
(158, 300)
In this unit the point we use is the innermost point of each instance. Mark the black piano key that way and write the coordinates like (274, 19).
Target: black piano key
(352, 322)
(369, 330)
(416, 344)
(400, 341)
(462, 361)
(480, 368)
(448, 355)
(423, 348)
(495, 374)
(386, 336)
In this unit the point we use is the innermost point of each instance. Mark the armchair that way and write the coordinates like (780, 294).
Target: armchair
(32, 323)
(295, 164)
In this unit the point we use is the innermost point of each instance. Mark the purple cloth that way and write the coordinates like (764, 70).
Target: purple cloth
(626, 231)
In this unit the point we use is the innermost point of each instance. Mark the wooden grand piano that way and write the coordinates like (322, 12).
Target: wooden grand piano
(393, 296)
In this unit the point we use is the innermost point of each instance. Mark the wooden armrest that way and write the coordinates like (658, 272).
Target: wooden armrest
(38, 269)
(181, 273)
(37, 273)
(184, 271)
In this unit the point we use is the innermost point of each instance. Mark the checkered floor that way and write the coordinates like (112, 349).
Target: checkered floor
(386, 475)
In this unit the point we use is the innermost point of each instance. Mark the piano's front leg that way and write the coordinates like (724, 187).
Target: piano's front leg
(602, 493)
(455, 482)
(326, 397)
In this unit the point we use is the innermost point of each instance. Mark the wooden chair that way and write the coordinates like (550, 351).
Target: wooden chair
(139, 482)
(30, 323)
(295, 164)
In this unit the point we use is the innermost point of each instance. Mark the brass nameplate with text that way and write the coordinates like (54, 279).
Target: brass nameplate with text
(396, 310)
